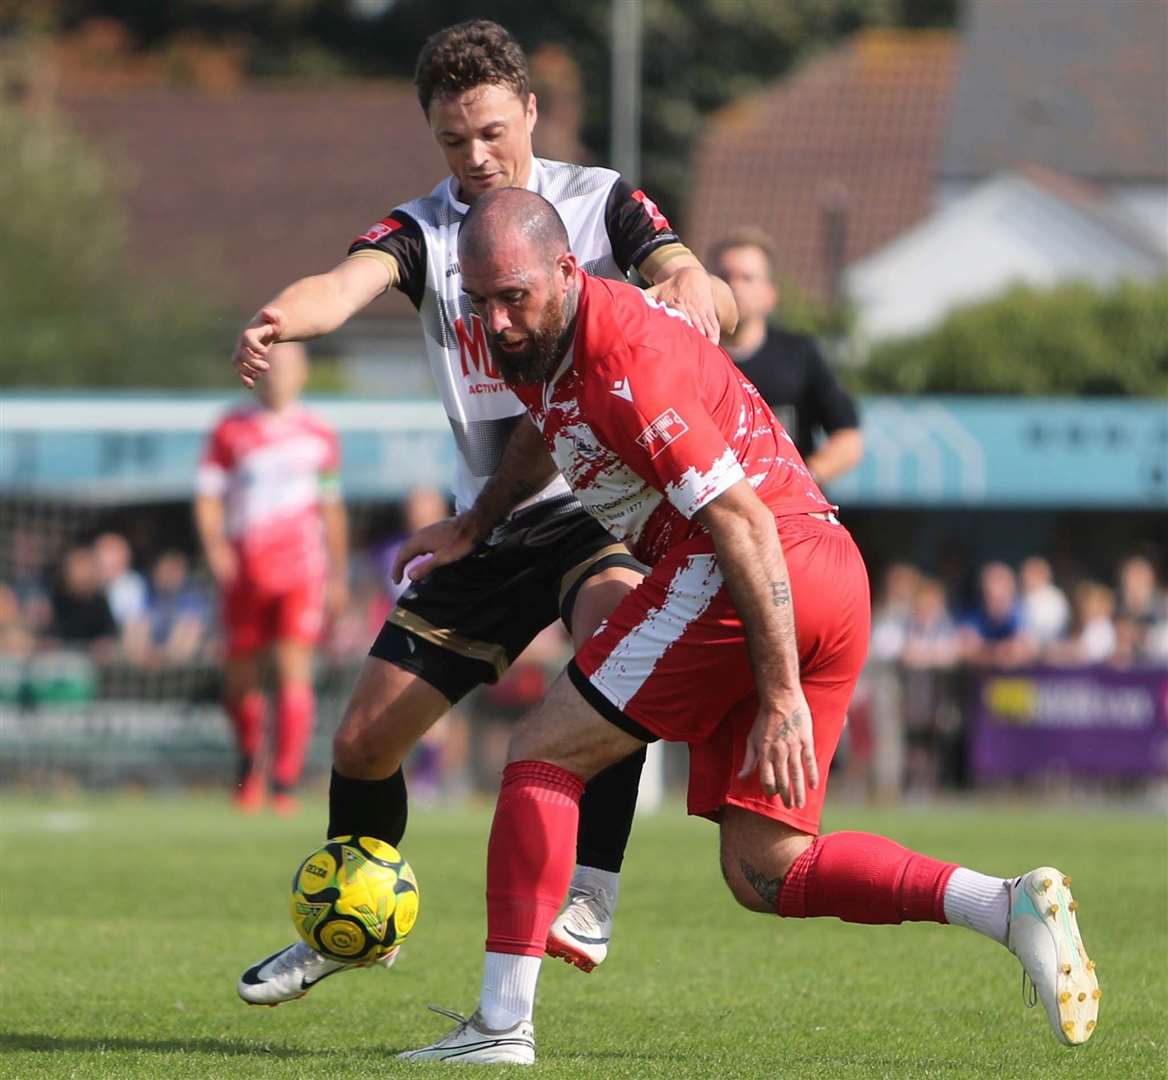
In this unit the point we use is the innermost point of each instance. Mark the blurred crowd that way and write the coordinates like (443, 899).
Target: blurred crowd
(1021, 616)
(96, 600)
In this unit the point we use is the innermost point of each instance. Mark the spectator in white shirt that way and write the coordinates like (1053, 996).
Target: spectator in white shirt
(1045, 609)
(125, 589)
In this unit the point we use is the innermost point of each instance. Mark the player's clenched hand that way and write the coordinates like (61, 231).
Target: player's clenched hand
(251, 350)
(690, 291)
(781, 747)
(445, 542)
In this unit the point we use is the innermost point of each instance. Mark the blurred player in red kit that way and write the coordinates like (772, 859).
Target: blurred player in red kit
(745, 639)
(269, 513)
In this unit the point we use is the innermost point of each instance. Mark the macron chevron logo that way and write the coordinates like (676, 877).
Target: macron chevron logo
(622, 389)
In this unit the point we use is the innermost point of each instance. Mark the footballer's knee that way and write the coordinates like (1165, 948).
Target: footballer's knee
(534, 740)
(388, 712)
(360, 750)
(756, 854)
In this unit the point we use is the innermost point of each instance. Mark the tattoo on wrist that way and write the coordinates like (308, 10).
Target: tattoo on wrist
(767, 888)
(780, 593)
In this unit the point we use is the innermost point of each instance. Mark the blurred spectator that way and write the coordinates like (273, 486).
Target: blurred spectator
(16, 639)
(124, 587)
(26, 553)
(1045, 608)
(1140, 597)
(932, 639)
(892, 612)
(81, 615)
(930, 721)
(1129, 643)
(788, 369)
(992, 632)
(174, 623)
(1094, 639)
(1155, 643)
(1142, 602)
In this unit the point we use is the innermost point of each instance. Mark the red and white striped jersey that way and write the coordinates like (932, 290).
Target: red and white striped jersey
(273, 471)
(649, 422)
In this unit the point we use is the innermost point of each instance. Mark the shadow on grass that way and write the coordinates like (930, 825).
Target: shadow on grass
(14, 1042)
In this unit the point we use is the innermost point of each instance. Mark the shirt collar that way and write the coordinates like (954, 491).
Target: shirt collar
(462, 208)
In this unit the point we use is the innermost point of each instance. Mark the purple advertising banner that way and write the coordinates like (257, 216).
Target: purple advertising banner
(1089, 721)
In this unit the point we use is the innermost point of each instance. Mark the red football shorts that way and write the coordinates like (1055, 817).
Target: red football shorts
(254, 618)
(672, 658)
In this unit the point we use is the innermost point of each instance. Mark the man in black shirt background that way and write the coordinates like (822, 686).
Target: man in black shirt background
(788, 369)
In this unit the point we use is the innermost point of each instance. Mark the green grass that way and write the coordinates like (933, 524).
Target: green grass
(124, 923)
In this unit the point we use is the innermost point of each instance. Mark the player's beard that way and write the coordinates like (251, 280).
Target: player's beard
(548, 346)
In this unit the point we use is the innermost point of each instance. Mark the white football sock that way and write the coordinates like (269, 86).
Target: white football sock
(508, 989)
(979, 902)
(591, 879)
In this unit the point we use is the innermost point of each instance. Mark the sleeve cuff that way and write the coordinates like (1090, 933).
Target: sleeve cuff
(388, 261)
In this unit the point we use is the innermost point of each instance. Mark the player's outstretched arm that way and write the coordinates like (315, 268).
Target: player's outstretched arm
(683, 283)
(525, 469)
(750, 555)
(308, 308)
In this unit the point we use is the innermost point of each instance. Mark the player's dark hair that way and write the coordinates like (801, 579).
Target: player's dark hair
(746, 236)
(467, 55)
(512, 208)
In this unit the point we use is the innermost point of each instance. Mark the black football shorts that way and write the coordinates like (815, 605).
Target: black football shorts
(465, 623)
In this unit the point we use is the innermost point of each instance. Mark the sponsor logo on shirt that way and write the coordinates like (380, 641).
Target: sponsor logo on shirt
(622, 389)
(380, 231)
(473, 352)
(667, 428)
(660, 222)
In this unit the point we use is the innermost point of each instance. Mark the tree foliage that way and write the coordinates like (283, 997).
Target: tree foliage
(1073, 340)
(70, 312)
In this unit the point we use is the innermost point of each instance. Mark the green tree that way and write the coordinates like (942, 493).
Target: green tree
(71, 313)
(1073, 340)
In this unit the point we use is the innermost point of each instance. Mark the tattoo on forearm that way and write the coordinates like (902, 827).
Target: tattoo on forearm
(767, 888)
(780, 593)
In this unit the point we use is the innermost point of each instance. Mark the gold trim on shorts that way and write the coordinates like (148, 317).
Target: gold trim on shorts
(578, 571)
(451, 640)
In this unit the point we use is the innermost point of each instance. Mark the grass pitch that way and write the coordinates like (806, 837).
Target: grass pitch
(125, 922)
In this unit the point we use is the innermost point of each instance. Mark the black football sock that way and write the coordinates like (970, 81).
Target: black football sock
(606, 814)
(375, 808)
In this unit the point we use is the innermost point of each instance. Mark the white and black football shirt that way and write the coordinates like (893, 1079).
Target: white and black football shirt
(611, 227)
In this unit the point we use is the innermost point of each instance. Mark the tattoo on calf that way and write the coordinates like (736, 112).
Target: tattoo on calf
(780, 593)
(767, 888)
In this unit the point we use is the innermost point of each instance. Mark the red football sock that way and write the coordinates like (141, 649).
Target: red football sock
(294, 715)
(530, 855)
(862, 878)
(247, 719)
